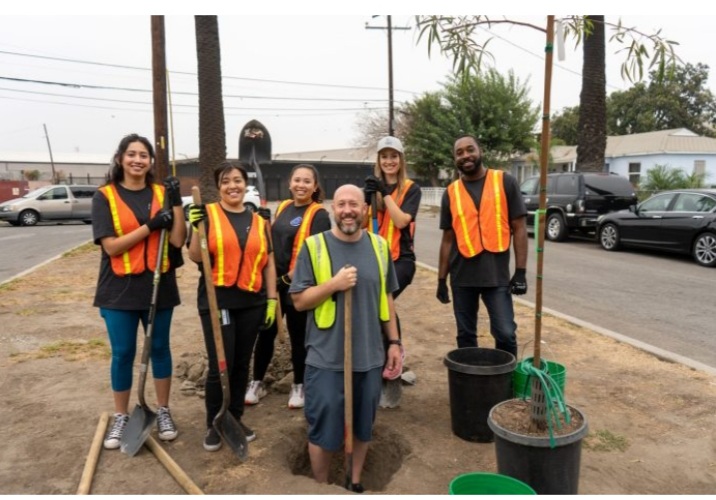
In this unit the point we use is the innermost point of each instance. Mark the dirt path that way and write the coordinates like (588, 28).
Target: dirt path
(651, 422)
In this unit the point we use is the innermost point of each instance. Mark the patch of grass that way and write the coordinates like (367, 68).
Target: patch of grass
(605, 440)
(9, 286)
(70, 350)
(80, 250)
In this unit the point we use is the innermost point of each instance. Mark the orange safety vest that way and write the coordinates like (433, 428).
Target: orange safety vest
(303, 229)
(232, 266)
(486, 229)
(388, 231)
(143, 255)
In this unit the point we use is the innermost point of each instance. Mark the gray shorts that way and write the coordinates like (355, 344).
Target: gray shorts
(324, 405)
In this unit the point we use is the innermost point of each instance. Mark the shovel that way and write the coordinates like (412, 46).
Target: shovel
(348, 383)
(224, 422)
(142, 418)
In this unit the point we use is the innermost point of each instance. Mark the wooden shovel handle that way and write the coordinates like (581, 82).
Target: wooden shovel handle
(209, 285)
(348, 369)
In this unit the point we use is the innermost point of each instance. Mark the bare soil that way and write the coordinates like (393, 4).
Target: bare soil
(651, 421)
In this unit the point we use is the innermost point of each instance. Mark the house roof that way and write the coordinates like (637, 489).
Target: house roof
(44, 157)
(364, 154)
(672, 141)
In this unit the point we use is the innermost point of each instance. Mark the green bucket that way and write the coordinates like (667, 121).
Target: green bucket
(487, 483)
(521, 381)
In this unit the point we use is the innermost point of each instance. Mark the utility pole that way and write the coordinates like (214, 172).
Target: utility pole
(389, 27)
(52, 162)
(159, 92)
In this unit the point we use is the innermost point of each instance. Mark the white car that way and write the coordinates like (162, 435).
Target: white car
(252, 200)
(55, 202)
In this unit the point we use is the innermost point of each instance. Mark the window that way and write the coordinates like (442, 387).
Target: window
(658, 203)
(700, 168)
(686, 202)
(530, 186)
(634, 173)
(58, 193)
(83, 191)
(568, 184)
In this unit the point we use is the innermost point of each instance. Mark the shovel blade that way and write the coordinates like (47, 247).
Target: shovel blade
(138, 428)
(391, 393)
(232, 434)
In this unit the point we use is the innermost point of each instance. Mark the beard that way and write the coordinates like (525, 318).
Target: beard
(352, 228)
(477, 162)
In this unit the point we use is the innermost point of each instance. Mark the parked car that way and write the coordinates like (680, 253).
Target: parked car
(575, 200)
(252, 200)
(681, 221)
(55, 202)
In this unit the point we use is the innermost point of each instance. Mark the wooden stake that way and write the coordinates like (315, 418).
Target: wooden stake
(93, 456)
(170, 465)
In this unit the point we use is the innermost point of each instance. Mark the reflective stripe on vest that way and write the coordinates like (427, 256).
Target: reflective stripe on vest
(143, 255)
(303, 230)
(486, 229)
(325, 313)
(388, 231)
(232, 266)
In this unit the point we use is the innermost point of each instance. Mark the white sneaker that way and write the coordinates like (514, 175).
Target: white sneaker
(111, 442)
(296, 399)
(255, 392)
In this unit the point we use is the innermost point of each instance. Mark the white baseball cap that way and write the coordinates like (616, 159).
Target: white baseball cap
(390, 142)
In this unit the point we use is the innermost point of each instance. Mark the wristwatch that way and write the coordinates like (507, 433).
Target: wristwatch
(395, 342)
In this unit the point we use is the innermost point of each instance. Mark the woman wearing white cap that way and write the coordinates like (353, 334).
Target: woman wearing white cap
(398, 200)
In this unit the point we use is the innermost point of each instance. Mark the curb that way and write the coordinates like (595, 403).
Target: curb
(656, 351)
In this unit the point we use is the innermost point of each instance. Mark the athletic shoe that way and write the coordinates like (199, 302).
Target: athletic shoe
(255, 392)
(354, 487)
(250, 435)
(165, 425)
(114, 436)
(212, 440)
(296, 399)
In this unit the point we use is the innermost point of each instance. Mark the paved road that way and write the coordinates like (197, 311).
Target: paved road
(22, 248)
(662, 300)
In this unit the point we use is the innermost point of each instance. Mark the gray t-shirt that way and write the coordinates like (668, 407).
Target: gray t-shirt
(325, 347)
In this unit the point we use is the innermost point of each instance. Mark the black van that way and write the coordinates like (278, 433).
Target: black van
(575, 200)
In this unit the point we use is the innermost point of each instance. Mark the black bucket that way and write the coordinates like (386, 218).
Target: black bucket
(532, 460)
(478, 379)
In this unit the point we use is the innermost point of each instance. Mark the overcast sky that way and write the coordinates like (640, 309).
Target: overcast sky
(324, 69)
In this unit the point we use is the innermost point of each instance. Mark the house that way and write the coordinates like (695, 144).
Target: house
(634, 155)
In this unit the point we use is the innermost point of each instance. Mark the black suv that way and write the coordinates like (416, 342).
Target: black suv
(575, 200)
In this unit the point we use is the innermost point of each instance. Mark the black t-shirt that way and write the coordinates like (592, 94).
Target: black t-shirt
(487, 269)
(285, 228)
(231, 297)
(132, 292)
(410, 205)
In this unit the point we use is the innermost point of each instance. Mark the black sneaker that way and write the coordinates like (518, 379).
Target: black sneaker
(250, 435)
(212, 440)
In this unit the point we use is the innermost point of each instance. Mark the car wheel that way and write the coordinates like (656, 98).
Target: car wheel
(250, 207)
(555, 229)
(609, 237)
(29, 217)
(705, 249)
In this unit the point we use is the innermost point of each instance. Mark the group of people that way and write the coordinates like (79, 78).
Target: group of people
(301, 265)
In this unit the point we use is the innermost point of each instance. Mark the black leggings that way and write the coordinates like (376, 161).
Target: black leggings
(404, 271)
(296, 324)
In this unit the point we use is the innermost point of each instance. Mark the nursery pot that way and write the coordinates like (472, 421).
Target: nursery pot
(522, 382)
(478, 379)
(549, 471)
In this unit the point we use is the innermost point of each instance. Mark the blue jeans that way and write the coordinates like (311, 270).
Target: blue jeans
(498, 301)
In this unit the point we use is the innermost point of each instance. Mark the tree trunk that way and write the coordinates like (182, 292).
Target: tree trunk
(592, 132)
(212, 130)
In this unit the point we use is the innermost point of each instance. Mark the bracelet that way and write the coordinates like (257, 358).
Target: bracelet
(395, 342)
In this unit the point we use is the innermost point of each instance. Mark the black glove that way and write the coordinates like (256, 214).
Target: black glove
(518, 283)
(375, 185)
(173, 190)
(283, 283)
(163, 220)
(197, 213)
(442, 293)
(265, 213)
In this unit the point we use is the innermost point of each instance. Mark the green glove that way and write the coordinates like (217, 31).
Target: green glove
(270, 314)
(197, 213)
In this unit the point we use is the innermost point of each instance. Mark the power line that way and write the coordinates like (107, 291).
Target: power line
(262, 80)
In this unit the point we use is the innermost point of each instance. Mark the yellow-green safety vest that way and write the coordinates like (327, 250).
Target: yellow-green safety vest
(325, 313)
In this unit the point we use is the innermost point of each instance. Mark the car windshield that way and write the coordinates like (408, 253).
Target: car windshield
(37, 192)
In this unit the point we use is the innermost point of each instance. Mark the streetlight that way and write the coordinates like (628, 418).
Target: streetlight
(391, 121)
